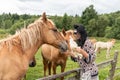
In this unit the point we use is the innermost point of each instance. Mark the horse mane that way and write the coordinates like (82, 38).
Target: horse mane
(27, 36)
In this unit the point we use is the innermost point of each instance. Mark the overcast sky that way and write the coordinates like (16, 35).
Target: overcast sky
(57, 7)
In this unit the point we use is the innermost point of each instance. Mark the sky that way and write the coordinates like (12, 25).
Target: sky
(57, 7)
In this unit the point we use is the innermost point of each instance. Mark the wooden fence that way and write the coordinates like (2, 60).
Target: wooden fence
(77, 72)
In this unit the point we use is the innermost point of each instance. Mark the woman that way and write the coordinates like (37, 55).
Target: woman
(85, 48)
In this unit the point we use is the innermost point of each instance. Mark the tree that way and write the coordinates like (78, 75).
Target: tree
(97, 27)
(58, 21)
(75, 20)
(64, 21)
(92, 28)
(88, 14)
(25, 16)
(101, 24)
(8, 24)
(115, 31)
(15, 17)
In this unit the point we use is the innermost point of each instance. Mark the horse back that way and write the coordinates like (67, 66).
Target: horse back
(101, 44)
(49, 52)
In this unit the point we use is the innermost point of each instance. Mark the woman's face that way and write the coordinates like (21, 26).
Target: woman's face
(77, 35)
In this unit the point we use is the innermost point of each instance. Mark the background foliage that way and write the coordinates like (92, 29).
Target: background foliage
(97, 25)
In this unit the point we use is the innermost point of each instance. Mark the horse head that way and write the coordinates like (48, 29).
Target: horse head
(51, 35)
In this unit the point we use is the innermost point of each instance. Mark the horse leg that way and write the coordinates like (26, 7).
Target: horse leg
(108, 53)
(24, 77)
(98, 50)
(63, 69)
(54, 68)
(45, 62)
(49, 67)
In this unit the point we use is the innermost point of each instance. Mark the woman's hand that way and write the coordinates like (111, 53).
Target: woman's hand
(78, 49)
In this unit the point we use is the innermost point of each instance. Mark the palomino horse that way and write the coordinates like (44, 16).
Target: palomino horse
(17, 51)
(104, 45)
(52, 57)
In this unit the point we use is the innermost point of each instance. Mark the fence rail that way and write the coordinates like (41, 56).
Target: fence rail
(61, 74)
(111, 75)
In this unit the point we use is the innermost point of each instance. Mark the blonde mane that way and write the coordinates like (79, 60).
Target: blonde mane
(27, 36)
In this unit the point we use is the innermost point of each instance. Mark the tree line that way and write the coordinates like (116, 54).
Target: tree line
(97, 25)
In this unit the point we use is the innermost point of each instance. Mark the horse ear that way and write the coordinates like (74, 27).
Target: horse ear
(63, 31)
(44, 17)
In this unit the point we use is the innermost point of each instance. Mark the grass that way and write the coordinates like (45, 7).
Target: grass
(37, 72)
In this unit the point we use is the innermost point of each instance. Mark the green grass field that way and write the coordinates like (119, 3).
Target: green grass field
(37, 72)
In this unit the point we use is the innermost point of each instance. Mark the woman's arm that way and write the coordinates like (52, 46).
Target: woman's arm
(83, 52)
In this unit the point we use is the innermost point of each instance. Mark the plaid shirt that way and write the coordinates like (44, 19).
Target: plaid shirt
(89, 63)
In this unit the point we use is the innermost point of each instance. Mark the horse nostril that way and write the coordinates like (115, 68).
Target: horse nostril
(63, 49)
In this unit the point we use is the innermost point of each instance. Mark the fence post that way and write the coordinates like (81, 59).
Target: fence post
(78, 75)
(113, 66)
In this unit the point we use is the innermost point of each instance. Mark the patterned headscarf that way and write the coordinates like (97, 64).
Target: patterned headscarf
(81, 30)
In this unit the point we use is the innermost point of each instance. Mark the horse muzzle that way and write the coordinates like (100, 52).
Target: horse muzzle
(63, 46)
(32, 64)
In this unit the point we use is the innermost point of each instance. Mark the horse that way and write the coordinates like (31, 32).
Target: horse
(93, 40)
(17, 51)
(104, 45)
(52, 57)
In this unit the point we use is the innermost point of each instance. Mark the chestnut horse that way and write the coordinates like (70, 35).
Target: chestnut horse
(52, 57)
(17, 51)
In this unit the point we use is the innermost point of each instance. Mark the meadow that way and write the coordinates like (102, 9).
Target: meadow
(37, 71)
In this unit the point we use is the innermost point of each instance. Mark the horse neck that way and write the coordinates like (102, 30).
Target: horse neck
(29, 53)
(112, 43)
(31, 41)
